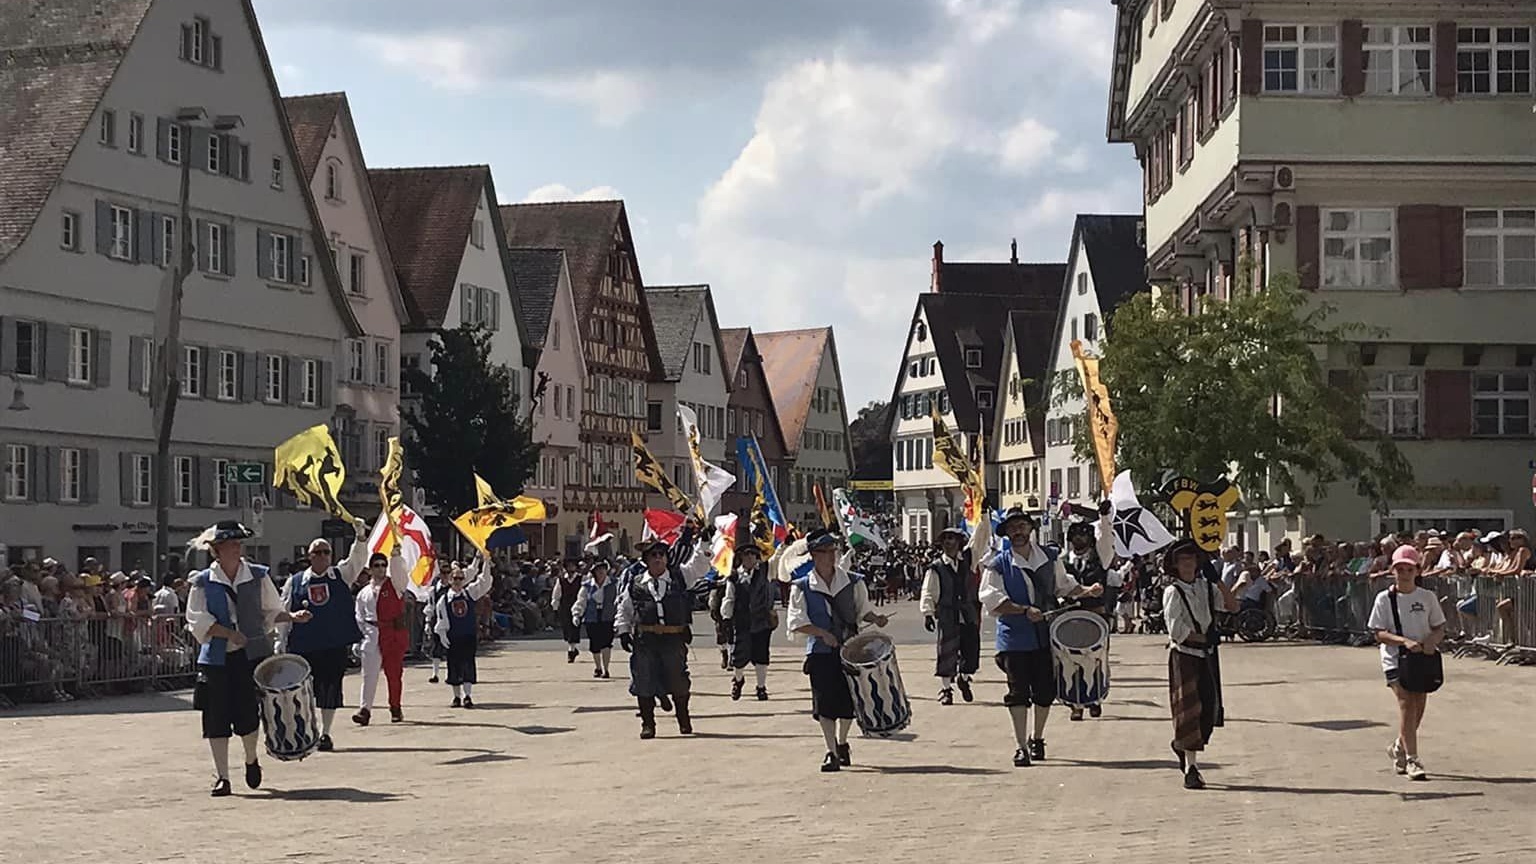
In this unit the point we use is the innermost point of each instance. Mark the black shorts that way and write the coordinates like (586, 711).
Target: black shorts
(461, 660)
(599, 635)
(1031, 677)
(751, 648)
(328, 668)
(830, 695)
(569, 631)
(226, 696)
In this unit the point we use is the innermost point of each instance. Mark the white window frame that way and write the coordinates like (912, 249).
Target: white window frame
(1315, 47)
(148, 367)
(170, 255)
(1502, 234)
(332, 182)
(1386, 392)
(381, 365)
(69, 231)
(215, 154)
(199, 34)
(229, 362)
(279, 246)
(136, 134)
(357, 361)
(173, 152)
(81, 355)
(967, 357)
(1091, 327)
(192, 371)
(1503, 397)
(71, 475)
(1358, 236)
(309, 388)
(221, 488)
(215, 240)
(1413, 43)
(122, 233)
(304, 271)
(1497, 44)
(381, 438)
(18, 472)
(272, 378)
(107, 128)
(186, 481)
(142, 480)
(357, 266)
(477, 233)
(277, 172)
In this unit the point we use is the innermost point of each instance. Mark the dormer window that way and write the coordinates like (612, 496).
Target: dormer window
(984, 397)
(332, 182)
(973, 358)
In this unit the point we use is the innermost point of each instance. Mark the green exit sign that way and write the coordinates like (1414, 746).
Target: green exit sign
(251, 473)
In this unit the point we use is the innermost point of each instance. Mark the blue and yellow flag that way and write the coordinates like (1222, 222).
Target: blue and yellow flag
(769, 527)
(492, 525)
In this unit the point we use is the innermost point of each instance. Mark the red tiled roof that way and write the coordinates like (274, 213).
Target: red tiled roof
(426, 213)
(791, 363)
(733, 340)
(310, 118)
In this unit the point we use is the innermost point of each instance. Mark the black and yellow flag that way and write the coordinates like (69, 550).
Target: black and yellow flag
(1102, 424)
(390, 496)
(650, 472)
(309, 466)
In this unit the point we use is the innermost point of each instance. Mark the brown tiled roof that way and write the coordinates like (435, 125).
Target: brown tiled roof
(537, 272)
(56, 59)
(733, 340)
(310, 118)
(426, 213)
(791, 363)
(675, 312)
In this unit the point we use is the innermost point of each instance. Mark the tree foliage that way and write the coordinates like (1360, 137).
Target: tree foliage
(1240, 389)
(869, 437)
(466, 422)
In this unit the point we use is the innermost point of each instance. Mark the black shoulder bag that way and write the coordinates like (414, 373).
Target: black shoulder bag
(1417, 673)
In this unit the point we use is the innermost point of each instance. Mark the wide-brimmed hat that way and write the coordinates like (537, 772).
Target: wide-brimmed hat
(822, 538)
(218, 532)
(955, 531)
(1184, 545)
(645, 547)
(1012, 513)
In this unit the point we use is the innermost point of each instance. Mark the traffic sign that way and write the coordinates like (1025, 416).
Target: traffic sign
(253, 473)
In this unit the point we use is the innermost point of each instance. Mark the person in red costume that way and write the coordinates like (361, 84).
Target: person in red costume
(386, 633)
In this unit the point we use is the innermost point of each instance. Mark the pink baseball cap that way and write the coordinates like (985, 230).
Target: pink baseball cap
(1405, 555)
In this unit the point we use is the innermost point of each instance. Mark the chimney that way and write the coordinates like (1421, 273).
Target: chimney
(1013, 251)
(938, 267)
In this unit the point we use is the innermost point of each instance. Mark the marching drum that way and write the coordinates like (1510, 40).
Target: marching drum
(879, 701)
(1080, 651)
(287, 706)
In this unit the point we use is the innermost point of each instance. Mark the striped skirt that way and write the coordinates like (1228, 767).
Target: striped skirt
(1192, 699)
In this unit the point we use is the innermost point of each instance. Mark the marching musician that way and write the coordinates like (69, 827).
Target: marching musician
(231, 609)
(1190, 605)
(748, 604)
(655, 624)
(1019, 586)
(951, 607)
(458, 626)
(827, 603)
(326, 641)
(386, 635)
(1090, 549)
(596, 606)
(567, 586)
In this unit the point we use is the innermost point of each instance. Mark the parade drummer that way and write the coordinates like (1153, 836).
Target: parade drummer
(827, 603)
(326, 641)
(655, 624)
(749, 605)
(386, 633)
(1090, 549)
(1019, 586)
(231, 609)
(951, 607)
(1190, 605)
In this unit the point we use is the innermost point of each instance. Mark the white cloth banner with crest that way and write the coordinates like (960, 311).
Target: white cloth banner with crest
(711, 480)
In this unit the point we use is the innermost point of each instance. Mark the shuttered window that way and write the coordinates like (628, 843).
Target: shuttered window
(18, 472)
(1501, 248)
(1358, 248)
(1501, 404)
(1393, 402)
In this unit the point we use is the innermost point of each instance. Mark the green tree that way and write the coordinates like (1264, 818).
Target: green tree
(1239, 389)
(466, 422)
(869, 437)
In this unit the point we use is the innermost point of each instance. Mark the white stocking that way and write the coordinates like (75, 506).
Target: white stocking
(1019, 714)
(842, 730)
(762, 674)
(249, 741)
(828, 731)
(220, 749)
(326, 716)
(468, 689)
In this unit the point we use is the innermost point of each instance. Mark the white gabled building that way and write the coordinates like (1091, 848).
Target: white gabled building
(1016, 448)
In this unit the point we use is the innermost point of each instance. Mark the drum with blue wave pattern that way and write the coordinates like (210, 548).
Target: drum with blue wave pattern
(880, 701)
(1080, 651)
(287, 706)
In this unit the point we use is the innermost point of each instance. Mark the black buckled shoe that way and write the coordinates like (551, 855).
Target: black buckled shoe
(571, 655)
(362, 717)
(1077, 714)
(1095, 710)
(396, 715)
(736, 686)
(325, 745)
(468, 702)
(1037, 749)
(457, 703)
(762, 694)
(1020, 758)
(946, 697)
(965, 689)
(220, 788)
(1193, 780)
(829, 764)
(253, 775)
(844, 755)
(597, 673)
(647, 731)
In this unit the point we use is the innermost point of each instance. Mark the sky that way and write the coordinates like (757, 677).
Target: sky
(799, 156)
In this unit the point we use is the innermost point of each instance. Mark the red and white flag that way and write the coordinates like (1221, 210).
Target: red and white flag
(599, 533)
(415, 547)
(664, 525)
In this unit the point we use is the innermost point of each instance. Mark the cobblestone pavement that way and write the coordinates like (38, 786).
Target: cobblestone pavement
(549, 769)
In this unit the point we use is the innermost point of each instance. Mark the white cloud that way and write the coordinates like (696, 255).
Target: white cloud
(443, 61)
(1084, 37)
(561, 192)
(1025, 145)
(612, 97)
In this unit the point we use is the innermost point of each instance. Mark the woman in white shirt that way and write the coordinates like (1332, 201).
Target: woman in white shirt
(1190, 604)
(1417, 626)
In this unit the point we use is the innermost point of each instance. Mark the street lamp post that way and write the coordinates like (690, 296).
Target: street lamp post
(165, 383)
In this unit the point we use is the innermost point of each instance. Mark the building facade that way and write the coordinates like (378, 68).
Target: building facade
(807, 388)
(693, 374)
(368, 388)
(1106, 265)
(1388, 161)
(618, 342)
(749, 412)
(1016, 447)
(116, 98)
(544, 287)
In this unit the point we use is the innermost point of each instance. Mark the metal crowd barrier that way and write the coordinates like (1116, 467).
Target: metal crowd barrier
(59, 658)
(1337, 608)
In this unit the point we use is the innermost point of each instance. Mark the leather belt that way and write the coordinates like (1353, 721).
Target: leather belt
(663, 629)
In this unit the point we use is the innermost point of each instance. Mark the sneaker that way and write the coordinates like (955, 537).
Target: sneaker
(220, 788)
(1095, 710)
(326, 745)
(1415, 769)
(1193, 780)
(396, 715)
(468, 702)
(844, 755)
(965, 689)
(362, 716)
(571, 655)
(1037, 749)
(1021, 758)
(605, 673)
(762, 694)
(736, 689)
(597, 673)
(1399, 757)
(829, 764)
(946, 697)
(457, 703)
(253, 775)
